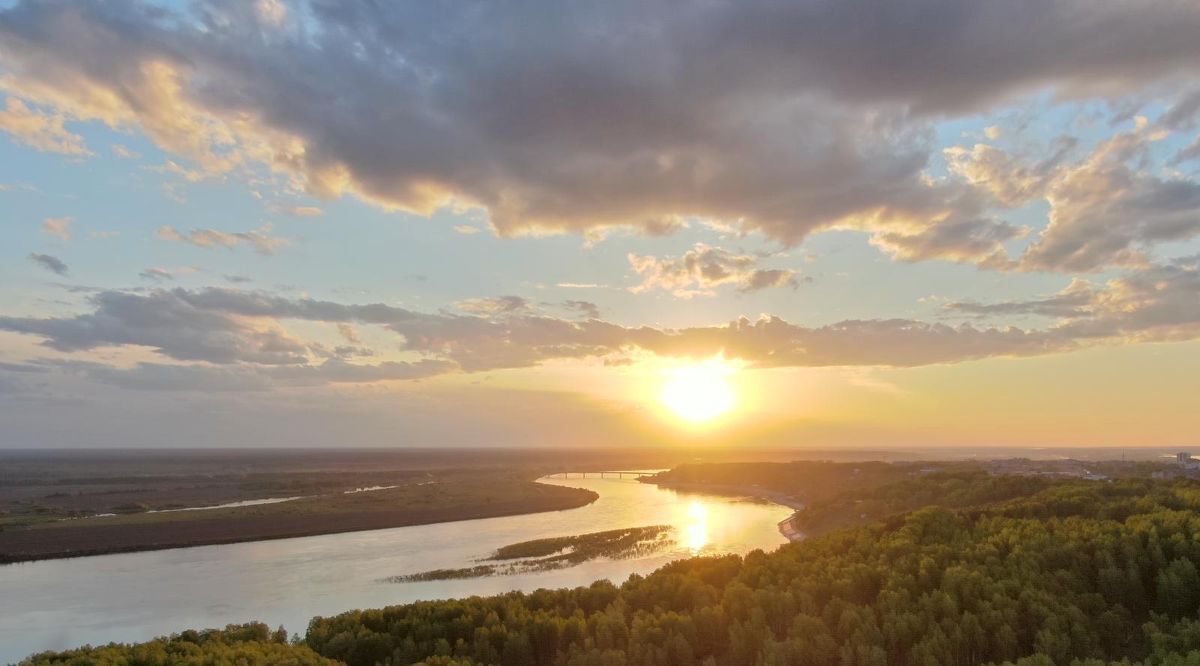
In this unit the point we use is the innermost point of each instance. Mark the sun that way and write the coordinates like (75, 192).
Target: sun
(698, 393)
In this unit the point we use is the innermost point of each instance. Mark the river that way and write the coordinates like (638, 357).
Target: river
(58, 604)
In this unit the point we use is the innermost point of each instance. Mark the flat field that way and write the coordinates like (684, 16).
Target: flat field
(71, 506)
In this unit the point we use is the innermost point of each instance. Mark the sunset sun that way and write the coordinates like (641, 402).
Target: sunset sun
(698, 393)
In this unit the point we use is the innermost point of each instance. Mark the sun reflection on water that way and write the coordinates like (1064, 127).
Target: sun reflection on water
(695, 532)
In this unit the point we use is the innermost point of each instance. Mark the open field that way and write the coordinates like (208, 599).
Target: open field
(440, 497)
(63, 507)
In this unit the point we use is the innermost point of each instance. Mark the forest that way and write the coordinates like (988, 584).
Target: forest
(1071, 572)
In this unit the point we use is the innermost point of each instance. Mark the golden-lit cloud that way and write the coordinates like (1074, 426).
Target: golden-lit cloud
(260, 239)
(40, 130)
(703, 268)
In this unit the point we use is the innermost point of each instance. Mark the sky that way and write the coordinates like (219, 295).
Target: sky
(316, 223)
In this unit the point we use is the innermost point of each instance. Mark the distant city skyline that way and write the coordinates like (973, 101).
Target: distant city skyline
(314, 223)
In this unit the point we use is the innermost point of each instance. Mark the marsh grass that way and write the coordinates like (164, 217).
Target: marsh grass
(557, 553)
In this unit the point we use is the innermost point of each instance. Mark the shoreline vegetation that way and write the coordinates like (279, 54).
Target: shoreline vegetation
(556, 553)
(431, 497)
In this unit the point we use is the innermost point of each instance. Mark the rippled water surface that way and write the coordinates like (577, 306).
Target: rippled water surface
(58, 604)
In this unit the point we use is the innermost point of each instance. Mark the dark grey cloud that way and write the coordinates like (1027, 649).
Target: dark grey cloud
(1073, 301)
(165, 322)
(50, 263)
(783, 117)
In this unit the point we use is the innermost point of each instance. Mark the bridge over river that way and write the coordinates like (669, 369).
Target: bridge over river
(606, 474)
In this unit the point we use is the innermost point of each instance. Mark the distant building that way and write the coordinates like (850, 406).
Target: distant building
(1186, 460)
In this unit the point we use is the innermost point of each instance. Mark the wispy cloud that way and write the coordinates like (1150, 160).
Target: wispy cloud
(59, 227)
(50, 263)
(297, 210)
(260, 239)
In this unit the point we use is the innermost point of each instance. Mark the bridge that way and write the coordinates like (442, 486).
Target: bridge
(607, 474)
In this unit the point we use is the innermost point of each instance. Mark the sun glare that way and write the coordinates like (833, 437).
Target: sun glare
(699, 393)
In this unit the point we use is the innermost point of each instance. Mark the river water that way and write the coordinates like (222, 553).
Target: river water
(58, 604)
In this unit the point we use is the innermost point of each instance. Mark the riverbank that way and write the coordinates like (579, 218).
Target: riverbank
(455, 498)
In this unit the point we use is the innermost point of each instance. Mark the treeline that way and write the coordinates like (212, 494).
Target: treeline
(808, 480)
(951, 490)
(247, 644)
(1079, 573)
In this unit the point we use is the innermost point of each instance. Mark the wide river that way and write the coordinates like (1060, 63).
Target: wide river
(57, 604)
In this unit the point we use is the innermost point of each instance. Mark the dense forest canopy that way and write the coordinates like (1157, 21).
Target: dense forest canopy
(1073, 572)
(252, 643)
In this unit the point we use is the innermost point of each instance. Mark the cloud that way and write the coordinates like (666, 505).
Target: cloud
(207, 378)
(228, 327)
(702, 269)
(298, 211)
(1009, 179)
(1104, 211)
(124, 152)
(1188, 153)
(40, 130)
(1106, 208)
(466, 229)
(1073, 301)
(786, 118)
(339, 372)
(156, 274)
(52, 264)
(167, 323)
(501, 305)
(1158, 303)
(584, 308)
(348, 332)
(165, 377)
(59, 227)
(975, 241)
(260, 239)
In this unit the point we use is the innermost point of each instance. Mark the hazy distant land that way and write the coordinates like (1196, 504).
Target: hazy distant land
(73, 503)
